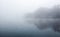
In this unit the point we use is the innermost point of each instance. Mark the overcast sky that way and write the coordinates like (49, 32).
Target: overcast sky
(25, 5)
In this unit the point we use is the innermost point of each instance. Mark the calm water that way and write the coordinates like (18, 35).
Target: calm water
(26, 31)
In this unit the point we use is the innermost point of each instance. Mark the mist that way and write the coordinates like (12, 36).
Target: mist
(13, 21)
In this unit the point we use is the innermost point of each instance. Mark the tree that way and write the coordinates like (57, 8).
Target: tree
(47, 18)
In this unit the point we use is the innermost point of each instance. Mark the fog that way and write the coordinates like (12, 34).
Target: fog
(12, 13)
